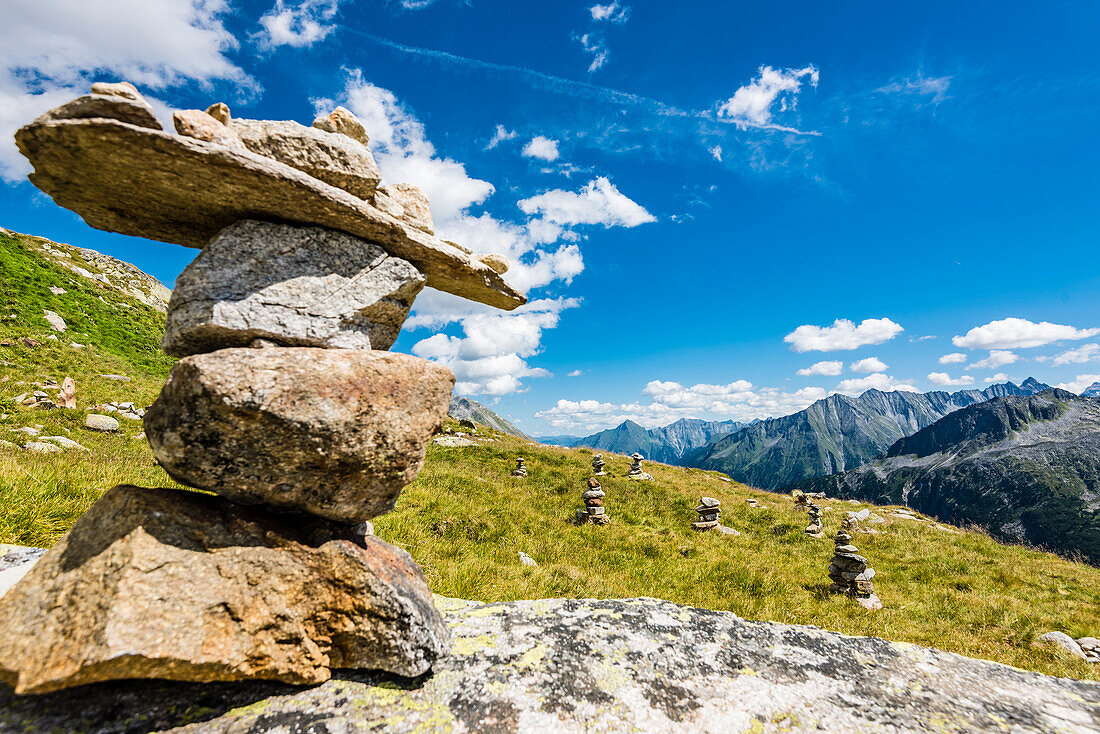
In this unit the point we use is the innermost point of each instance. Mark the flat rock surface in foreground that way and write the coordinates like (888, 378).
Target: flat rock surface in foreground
(609, 666)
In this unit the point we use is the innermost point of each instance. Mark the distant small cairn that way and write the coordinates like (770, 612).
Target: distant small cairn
(710, 514)
(635, 471)
(805, 499)
(520, 470)
(597, 465)
(849, 571)
(815, 529)
(594, 511)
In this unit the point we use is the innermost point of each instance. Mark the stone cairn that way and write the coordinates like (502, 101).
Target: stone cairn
(635, 471)
(520, 470)
(849, 571)
(815, 529)
(710, 514)
(285, 405)
(594, 511)
(598, 465)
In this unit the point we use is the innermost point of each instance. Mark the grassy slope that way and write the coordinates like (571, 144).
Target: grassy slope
(465, 519)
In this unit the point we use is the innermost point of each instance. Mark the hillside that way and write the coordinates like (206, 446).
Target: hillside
(835, 434)
(667, 444)
(994, 599)
(1025, 468)
(471, 410)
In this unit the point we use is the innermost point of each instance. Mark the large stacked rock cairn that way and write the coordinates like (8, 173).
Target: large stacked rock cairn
(283, 406)
(636, 471)
(815, 529)
(850, 573)
(710, 516)
(594, 511)
(598, 465)
(520, 470)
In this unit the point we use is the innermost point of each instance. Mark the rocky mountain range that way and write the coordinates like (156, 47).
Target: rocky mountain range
(1092, 391)
(667, 444)
(1025, 468)
(835, 434)
(466, 409)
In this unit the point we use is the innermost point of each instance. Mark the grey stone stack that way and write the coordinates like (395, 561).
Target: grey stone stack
(815, 529)
(594, 510)
(710, 516)
(636, 471)
(598, 465)
(520, 470)
(850, 573)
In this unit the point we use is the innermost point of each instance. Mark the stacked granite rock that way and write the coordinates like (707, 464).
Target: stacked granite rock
(815, 529)
(710, 517)
(594, 511)
(636, 471)
(850, 573)
(284, 406)
(598, 465)
(520, 470)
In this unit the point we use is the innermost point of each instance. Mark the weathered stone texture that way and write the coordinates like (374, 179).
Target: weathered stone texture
(162, 583)
(296, 286)
(332, 432)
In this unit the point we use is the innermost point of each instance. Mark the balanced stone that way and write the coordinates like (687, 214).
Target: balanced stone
(131, 110)
(295, 286)
(815, 529)
(520, 470)
(849, 571)
(201, 589)
(333, 432)
(635, 471)
(342, 121)
(413, 203)
(594, 510)
(598, 465)
(202, 125)
(334, 158)
(710, 515)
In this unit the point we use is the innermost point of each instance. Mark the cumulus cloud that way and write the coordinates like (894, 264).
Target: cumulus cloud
(868, 364)
(716, 153)
(1086, 353)
(52, 50)
(1015, 333)
(997, 358)
(829, 368)
(999, 377)
(944, 380)
(575, 373)
(753, 105)
(953, 358)
(298, 24)
(1079, 383)
(500, 135)
(599, 202)
(613, 12)
(670, 401)
(877, 381)
(843, 335)
(543, 148)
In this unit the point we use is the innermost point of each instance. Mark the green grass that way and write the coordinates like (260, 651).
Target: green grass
(465, 519)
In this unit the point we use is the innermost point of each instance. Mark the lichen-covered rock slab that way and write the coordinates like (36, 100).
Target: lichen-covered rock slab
(163, 583)
(610, 666)
(295, 286)
(153, 184)
(332, 432)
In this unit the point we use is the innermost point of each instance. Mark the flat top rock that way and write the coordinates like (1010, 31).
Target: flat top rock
(133, 180)
(567, 665)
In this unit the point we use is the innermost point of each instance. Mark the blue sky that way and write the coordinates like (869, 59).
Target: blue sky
(720, 210)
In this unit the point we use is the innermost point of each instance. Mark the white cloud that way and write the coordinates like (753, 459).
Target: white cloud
(575, 373)
(500, 135)
(997, 358)
(670, 401)
(594, 45)
(716, 153)
(943, 379)
(953, 358)
(868, 364)
(1015, 333)
(843, 335)
(920, 85)
(613, 12)
(52, 50)
(1079, 383)
(877, 381)
(829, 368)
(753, 104)
(999, 377)
(1086, 353)
(599, 202)
(298, 25)
(543, 148)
